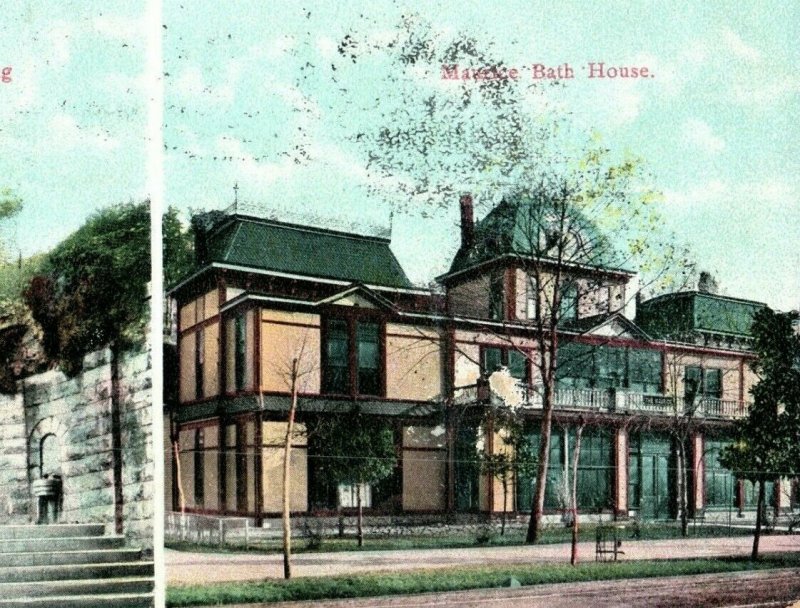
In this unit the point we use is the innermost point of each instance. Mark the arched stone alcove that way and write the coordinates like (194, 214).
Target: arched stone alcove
(46, 454)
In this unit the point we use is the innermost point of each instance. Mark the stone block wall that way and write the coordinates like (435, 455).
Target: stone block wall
(77, 412)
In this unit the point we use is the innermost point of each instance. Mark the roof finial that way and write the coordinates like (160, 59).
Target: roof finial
(235, 193)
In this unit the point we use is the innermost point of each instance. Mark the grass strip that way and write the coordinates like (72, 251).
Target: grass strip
(456, 579)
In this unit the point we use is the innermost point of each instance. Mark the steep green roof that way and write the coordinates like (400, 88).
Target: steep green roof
(677, 314)
(304, 250)
(519, 226)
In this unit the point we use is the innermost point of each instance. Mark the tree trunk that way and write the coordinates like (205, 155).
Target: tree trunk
(178, 475)
(360, 516)
(576, 454)
(505, 506)
(759, 511)
(684, 489)
(537, 508)
(287, 455)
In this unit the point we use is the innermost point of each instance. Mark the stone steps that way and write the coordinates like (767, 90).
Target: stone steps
(76, 543)
(50, 531)
(115, 600)
(68, 565)
(25, 574)
(92, 556)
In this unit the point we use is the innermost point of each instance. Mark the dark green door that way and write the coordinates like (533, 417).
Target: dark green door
(650, 487)
(654, 500)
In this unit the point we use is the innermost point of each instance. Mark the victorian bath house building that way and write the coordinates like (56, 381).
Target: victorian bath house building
(672, 372)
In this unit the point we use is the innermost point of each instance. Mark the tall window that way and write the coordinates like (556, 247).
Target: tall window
(493, 358)
(568, 302)
(368, 358)
(588, 366)
(352, 357)
(240, 331)
(496, 299)
(199, 473)
(199, 363)
(702, 382)
(337, 367)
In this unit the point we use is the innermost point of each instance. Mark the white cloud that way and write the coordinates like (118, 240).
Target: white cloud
(121, 28)
(277, 47)
(699, 134)
(58, 39)
(756, 92)
(738, 47)
(768, 191)
(66, 134)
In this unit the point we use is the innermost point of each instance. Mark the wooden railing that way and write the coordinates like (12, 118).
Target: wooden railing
(610, 400)
(722, 408)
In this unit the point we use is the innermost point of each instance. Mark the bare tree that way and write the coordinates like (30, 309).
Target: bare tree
(293, 372)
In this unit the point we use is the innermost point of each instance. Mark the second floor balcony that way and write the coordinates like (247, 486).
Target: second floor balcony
(620, 401)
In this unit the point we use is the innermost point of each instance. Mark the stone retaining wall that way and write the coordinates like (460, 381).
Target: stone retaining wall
(77, 411)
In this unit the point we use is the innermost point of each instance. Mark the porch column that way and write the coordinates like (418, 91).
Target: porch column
(621, 473)
(697, 476)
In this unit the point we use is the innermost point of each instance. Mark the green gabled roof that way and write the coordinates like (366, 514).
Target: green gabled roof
(677, 314)
(305, 250)
(511, 228)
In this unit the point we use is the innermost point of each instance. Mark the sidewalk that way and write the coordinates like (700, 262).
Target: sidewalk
(194, 568)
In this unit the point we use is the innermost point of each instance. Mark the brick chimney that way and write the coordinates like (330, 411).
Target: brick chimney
(467, 221)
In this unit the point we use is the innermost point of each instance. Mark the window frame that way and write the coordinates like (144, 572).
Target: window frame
(240, 352)
(199, 363)
(505, 358)
(199, 468)
(352, 322)
(703, 372)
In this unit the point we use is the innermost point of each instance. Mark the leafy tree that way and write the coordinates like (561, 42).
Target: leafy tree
(93, 289)
(93, 293)
(356, 449)
(178, 247)
(767, 439)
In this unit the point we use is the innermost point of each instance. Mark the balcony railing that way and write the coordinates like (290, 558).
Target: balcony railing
(610, 400)
(722, 408)
(655, 404)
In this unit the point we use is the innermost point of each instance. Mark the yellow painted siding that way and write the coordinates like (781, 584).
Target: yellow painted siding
(522, 286)
(187, 354)
(500, 447)
(274, 435)
(210, 476)
(211, 304)
(273, 480)
(424, 469)
(199, 309)
(230, 467)
(188, 314)
(211, 365)
(280, 344)
(424, 480)
(413, 363)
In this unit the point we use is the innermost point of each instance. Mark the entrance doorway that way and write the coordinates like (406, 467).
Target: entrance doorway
(651, 478)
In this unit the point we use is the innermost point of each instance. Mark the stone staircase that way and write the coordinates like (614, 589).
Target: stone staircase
(71, 565)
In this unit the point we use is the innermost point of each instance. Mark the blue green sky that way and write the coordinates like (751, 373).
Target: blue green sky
(717, 125)
(72, 121)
